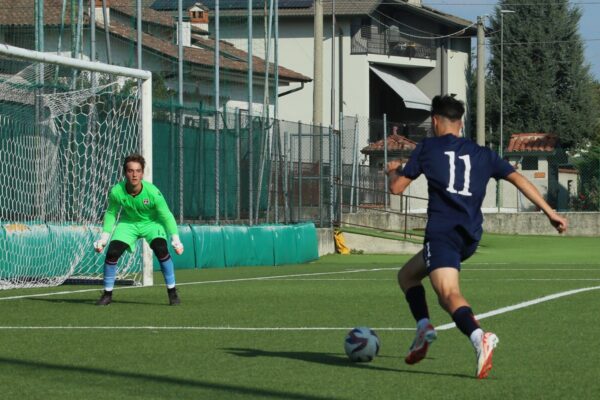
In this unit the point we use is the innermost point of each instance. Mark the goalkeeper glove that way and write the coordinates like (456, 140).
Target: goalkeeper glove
(177, 245)
(101, 243)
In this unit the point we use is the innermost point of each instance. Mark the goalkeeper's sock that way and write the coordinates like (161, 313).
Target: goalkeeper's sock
(110, 274)
(168, 270)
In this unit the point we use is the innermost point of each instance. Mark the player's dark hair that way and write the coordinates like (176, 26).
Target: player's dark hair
(447, 106)
(135, 158)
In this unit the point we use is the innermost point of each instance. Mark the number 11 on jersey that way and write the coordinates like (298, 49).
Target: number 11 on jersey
(467, 179)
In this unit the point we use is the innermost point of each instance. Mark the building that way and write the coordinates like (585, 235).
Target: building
(159, 47)
(390, 58)
(538, 157)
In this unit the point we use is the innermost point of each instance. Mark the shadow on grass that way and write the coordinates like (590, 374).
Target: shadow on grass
(331, 359)
(152, 380)
(87, 302)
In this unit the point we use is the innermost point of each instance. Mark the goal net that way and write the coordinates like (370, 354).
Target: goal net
(65, 127)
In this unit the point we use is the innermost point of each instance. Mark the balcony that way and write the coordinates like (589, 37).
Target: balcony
(389, 41)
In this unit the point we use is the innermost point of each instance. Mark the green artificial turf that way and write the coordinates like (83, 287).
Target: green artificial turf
(55, 344)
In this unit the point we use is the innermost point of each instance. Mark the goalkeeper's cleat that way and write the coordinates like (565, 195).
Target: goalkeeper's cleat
(173, 297)
(418, 350)
(105, 299)
(489, 341)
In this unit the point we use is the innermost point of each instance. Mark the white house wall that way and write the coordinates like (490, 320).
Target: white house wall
(197, 87)
(458, 62)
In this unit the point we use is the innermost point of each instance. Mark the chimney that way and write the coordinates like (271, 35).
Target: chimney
(186, 30)
(198, 14)
(417, 3)
(99, 14)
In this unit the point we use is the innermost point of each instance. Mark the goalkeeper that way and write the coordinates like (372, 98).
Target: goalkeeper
(144, 214)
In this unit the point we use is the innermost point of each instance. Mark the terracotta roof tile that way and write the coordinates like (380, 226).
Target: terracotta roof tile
(395, 143)
(532, 142)
(568, 170)
(21, 12)
(204, 56)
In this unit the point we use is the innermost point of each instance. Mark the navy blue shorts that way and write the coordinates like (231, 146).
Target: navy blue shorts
(447, 249)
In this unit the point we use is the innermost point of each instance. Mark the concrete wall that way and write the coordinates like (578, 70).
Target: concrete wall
(326, 243)
(366, 244)
(524, 223)
(375, 245)
(536, 223)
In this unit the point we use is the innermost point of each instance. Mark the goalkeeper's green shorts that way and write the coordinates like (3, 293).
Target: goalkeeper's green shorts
(129, 232)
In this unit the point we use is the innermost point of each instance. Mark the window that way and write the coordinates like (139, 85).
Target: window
(530, 163)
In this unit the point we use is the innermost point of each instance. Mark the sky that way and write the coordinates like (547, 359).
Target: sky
(589, 28)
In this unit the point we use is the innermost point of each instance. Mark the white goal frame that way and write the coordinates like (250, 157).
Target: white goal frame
(145, 113)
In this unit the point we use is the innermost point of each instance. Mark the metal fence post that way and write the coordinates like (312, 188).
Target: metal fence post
(299, 170)
(250, 163)
(275, 157)
(217, 169)
(331, 169)
(321, 156)
(286, 174)
(340, 187)
(385, 161)
(238, 169)
(354, 166)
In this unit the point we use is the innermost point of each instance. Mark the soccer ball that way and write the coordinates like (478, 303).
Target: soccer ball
(361, 344)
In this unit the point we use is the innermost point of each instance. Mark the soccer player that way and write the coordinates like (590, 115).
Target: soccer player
(457, 172)
(144, 214)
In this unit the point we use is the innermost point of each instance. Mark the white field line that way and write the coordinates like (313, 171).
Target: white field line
(524, 304)
(531, 269)
(445, 327)
(258, 278)
(275, 277)
(195, 328)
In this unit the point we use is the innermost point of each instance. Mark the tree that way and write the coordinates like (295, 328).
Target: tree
(547, 83)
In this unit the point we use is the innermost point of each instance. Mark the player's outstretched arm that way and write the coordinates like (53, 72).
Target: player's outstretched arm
(397, 183)
(531, 192)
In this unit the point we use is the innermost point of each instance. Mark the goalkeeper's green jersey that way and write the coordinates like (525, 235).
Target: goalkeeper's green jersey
(149, 205)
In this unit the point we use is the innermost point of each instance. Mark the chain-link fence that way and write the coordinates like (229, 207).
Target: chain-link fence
(229, 168)
(580, 182)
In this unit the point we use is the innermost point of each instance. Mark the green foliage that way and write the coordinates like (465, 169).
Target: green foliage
(595, 140)
(160, 91)
(588, 198)
(547, 84)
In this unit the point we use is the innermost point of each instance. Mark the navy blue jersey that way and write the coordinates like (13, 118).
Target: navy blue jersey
(457, 172)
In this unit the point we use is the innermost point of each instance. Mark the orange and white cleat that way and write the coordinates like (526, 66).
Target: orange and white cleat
(419, 346)
(489, 341)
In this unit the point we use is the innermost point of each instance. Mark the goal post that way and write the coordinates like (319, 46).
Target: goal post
(65, 127)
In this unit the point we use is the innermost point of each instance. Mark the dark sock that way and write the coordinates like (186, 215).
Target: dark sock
(415, 296)
(465, 320)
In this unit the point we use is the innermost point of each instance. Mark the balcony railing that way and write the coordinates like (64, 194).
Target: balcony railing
(368, 39)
